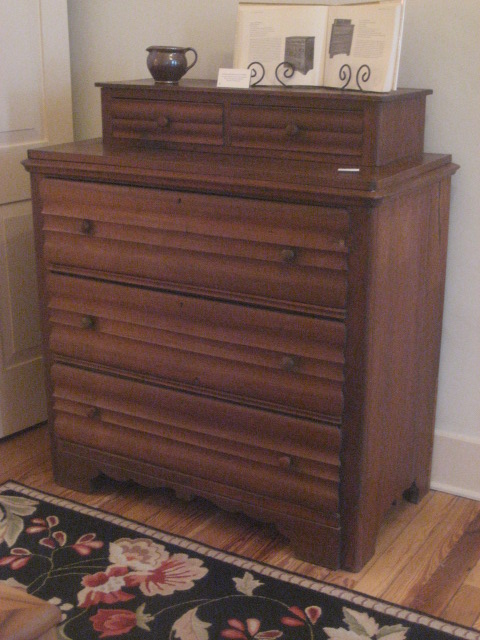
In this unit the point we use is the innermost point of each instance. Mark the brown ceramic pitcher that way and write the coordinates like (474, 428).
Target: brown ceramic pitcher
(169, 64)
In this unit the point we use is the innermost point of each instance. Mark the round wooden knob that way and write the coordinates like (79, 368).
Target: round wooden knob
(163, 122)
(93, 412)
(289, 363)
(289, 254)
(86, 227)
(88, 322)
(285, 462)
(292, 129)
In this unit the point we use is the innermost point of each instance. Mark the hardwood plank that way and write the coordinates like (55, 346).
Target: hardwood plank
(433, 549)
(464, 607)
(379, 574)
(396, 521)
(473, 578)
(434, 596)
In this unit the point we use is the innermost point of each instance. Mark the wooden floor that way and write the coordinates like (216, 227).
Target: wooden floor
(428, 555)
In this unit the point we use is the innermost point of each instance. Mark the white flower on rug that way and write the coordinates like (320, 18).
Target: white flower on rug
(190, 627)
(361, 626)
(155, 570)
(247, 584)
(12, 511)
(141, 554)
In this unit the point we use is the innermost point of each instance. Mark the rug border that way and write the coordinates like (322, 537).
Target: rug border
(343, 593)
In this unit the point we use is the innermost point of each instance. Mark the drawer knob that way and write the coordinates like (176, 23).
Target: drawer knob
(289, 255)
(93, 413)
(86, 227)
(88, 322)
(292, 130)
(163, 122)
(284, 462)
(289, 363)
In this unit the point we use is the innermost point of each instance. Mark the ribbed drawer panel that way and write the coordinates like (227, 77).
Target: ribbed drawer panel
(256, 355)
(292, 256)
(290, 459)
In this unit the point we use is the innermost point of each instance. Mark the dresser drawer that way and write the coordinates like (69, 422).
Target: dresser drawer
(287, 255)
(283, 458)
(329, 133)
(258, 356)
(166, 122)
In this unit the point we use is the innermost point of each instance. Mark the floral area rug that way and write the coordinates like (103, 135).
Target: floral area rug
(112, 577)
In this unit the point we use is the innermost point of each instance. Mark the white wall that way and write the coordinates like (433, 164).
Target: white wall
(441, 51)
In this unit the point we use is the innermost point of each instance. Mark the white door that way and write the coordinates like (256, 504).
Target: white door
(35, 110)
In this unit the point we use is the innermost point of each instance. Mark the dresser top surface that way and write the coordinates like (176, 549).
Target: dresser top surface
(209, 87)
(301, 180)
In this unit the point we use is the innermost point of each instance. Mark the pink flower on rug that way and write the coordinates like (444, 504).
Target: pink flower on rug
(41, 524)
(177, 573)
(86, 544)
(313, 614)
(155, 571)
(105, 586)
(237, 630)
(17, 559)
(114, 622)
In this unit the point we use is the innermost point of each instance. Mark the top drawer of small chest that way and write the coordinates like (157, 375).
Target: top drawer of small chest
(261, 252)
(324, 125)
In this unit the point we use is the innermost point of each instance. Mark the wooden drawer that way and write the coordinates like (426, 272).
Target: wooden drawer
(262, 357)
(346, 128)
(285, 459)
(287, 255)
(335, 133)
(166, 122)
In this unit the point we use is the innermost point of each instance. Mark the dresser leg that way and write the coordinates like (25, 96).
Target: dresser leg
(412, 494)
(313, 543)
(74, 473)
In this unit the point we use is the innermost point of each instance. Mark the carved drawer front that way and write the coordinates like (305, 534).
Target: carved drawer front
(166, 122)
(269, 253)
(328, 133)
(284, 459)
(263, 357)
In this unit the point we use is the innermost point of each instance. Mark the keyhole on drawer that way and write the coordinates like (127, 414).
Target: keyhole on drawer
(179, 201)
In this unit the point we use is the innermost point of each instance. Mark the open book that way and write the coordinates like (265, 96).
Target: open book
(354, 45)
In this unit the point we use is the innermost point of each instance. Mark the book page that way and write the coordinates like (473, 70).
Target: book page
(272, 34)
(399, 46)
(363, 42)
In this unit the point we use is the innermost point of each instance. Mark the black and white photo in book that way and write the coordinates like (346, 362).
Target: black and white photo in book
(348, 45)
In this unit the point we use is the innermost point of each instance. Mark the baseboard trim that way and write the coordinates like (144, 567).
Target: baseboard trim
(455, 466)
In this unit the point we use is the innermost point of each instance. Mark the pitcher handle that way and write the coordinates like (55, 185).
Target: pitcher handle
(195, 59)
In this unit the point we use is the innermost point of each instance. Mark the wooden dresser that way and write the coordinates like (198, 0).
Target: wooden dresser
(242, 299)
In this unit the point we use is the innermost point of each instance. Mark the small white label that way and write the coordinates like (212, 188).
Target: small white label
(349, 170)
(234, 78)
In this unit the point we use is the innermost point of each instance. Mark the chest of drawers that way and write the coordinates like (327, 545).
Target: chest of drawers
(243, 301)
